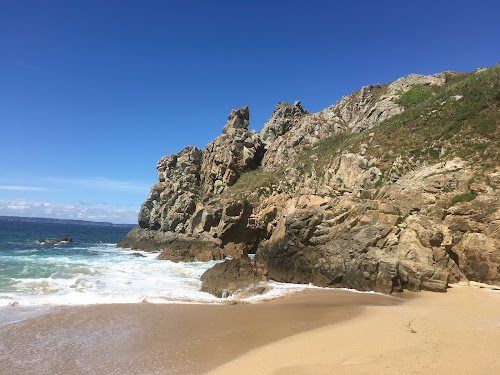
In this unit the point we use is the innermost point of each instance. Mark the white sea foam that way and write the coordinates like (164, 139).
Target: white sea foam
(114, 276)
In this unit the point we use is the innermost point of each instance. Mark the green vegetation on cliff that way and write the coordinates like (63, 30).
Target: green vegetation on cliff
(465, 197)
(459, 119)
(256, 179)
(462, 119)
(415, 95)
(320, 154)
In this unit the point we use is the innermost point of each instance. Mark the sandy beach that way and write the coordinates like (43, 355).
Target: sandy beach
(310, 332)
(453, 333)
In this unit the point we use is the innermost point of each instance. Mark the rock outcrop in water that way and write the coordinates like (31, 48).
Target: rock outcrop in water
(58, 241)
(361, 195)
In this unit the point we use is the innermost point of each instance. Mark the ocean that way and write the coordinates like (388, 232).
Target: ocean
(35, 278)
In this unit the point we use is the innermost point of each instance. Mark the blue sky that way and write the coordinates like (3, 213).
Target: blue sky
(93, 93)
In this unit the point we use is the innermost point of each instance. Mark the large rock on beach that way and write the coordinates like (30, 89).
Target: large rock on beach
(234, 276)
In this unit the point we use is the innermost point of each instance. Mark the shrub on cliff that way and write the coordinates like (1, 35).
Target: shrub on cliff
(416, 95)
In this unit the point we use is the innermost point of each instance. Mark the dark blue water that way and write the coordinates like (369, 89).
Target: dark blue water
(88, 270)
(21, 245)
(28, 266)
(26, 235)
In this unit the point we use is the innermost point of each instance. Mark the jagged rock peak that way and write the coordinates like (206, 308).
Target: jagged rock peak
(172, 200)
(283, 118)
(188, 161)
(234, 152)
(237, 119)
(285, 107)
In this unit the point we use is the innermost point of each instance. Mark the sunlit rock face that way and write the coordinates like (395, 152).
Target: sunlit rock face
(343, 222)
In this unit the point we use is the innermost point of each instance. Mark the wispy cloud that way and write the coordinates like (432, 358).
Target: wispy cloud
(88, 198)
(29, 66)
(22, 188)
(100, 183)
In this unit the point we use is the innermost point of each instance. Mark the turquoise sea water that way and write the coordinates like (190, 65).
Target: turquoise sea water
(88, 270)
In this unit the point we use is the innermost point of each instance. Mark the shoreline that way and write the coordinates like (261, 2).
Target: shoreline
(314, 331)
(168, 338)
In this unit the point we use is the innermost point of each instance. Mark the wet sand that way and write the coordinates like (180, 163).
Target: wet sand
(453, 333)
(168, 339)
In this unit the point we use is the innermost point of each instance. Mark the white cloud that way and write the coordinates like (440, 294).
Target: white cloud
(17, 206)
(95, 212)
(22, 188)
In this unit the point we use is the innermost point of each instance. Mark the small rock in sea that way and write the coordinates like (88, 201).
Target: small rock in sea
(58, 240)
(138, 255)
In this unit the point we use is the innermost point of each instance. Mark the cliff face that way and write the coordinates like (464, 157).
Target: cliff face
(291, 129)
(365, 194)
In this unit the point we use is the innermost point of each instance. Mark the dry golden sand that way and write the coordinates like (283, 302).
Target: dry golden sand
(453, 333)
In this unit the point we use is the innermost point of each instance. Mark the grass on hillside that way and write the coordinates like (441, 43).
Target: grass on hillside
(415, 95)
(320, 154)
(461, 118)
(253, 180)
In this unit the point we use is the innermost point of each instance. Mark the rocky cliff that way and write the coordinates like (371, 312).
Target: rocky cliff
(393, 187)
